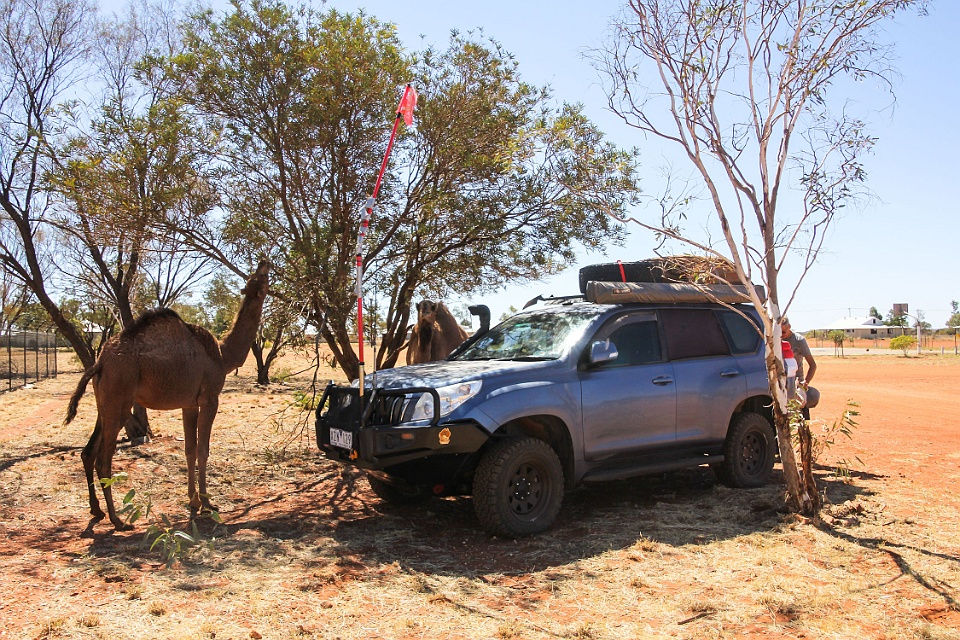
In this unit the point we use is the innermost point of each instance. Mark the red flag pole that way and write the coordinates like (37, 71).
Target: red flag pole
(404, 110)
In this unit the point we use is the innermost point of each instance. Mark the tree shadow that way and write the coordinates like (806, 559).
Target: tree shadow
(882, 545)
(332, 510)
(442, 535)
(6, 463)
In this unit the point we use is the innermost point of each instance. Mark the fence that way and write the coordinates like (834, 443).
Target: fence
(26, 356)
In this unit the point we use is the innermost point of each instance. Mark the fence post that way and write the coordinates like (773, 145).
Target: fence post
(37, 353)
(23, 341)
(9, 361)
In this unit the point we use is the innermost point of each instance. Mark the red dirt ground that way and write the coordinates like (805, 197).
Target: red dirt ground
(906, 449)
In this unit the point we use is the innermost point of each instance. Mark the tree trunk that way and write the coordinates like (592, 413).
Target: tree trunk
(341, 346)
(806, 460)
(802, 493)
(263, 365)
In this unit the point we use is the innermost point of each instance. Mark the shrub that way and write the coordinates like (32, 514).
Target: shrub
(903, 343)
(837, 337)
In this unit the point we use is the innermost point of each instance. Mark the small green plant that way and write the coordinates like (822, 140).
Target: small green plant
(172, 542)
(304, 401)
(841, 427)
(129, 510)
(903, 343)
(827, 435)
(281, 376)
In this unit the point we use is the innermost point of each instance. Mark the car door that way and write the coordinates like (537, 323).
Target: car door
(629, 403)
(710, 382)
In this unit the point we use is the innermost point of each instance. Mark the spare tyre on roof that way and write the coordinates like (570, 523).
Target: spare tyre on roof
(666, 269)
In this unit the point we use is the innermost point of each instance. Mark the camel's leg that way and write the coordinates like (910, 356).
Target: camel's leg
(204, 425)
(88, 455)
(111, 421)
(190, 415)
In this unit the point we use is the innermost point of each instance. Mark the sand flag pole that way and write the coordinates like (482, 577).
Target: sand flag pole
(404, 110)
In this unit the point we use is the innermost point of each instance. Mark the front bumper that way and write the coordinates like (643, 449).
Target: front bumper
(378, 439)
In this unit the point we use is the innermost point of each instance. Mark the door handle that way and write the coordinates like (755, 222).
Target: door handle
(729, 373)
(662, 380)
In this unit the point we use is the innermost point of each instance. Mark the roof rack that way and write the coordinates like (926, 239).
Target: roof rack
(534, 301)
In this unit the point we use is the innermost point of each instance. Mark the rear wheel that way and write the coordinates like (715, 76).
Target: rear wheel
(748, 452)
(518, 487)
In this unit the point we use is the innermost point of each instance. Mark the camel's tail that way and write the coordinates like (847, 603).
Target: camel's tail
(81, 388)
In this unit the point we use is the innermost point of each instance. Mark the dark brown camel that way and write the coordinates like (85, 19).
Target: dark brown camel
(435, 335)
(162, 362)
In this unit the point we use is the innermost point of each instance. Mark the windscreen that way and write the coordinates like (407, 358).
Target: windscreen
(536, 335)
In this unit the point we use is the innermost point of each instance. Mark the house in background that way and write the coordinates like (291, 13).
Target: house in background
(864, 327)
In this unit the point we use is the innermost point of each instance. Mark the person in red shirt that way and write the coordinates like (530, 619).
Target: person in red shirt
(801, 352)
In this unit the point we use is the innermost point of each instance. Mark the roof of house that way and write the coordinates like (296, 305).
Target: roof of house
(868, 322)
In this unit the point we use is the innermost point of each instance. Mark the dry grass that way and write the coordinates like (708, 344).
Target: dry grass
(307, 551)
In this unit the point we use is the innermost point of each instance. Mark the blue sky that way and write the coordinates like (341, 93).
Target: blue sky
(902, 245)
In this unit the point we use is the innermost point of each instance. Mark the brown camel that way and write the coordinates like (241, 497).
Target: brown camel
(162, 362)
(435, 335)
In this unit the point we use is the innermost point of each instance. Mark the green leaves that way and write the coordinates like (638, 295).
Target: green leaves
(112, 480)
(494, 183)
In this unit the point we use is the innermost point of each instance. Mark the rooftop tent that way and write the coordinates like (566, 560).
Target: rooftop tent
(660, 292)
(667, 279)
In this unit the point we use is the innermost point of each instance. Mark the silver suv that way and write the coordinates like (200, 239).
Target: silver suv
(567, 392)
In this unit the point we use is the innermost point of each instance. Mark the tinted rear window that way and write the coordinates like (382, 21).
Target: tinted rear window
(693, 333)
(742, 332)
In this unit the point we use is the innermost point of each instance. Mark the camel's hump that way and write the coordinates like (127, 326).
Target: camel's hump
(150, 318)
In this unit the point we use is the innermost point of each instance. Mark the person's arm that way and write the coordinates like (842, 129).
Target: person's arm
(811, 367)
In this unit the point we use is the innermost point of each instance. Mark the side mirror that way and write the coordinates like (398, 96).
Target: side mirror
(601, 352)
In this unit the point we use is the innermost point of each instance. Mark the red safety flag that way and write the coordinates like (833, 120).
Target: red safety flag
(407, 104)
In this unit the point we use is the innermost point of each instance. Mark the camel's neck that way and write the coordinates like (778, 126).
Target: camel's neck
(235, 345)
(425, 335)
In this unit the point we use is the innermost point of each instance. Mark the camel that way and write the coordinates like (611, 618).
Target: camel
(435, 335)
(162, 362)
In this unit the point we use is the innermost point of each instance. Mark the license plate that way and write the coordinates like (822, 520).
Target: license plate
(341, 438)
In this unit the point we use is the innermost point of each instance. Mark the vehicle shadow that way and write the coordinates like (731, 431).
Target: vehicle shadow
(443, 536)
(333, 512)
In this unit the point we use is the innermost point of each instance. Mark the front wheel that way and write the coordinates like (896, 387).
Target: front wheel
(518, 487)
(748, 452)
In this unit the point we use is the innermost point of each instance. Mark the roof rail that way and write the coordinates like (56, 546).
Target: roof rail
(534, 301)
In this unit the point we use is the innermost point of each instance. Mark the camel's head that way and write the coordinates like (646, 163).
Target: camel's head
(427, 311)
(259, 282)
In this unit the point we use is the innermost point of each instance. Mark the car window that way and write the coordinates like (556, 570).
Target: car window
(636, 343)
(692, 333)
(741, 332)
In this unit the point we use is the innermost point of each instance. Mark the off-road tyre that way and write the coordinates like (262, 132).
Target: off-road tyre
(397, 494)
(637, 271)
(749, 451)
(518, 487)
